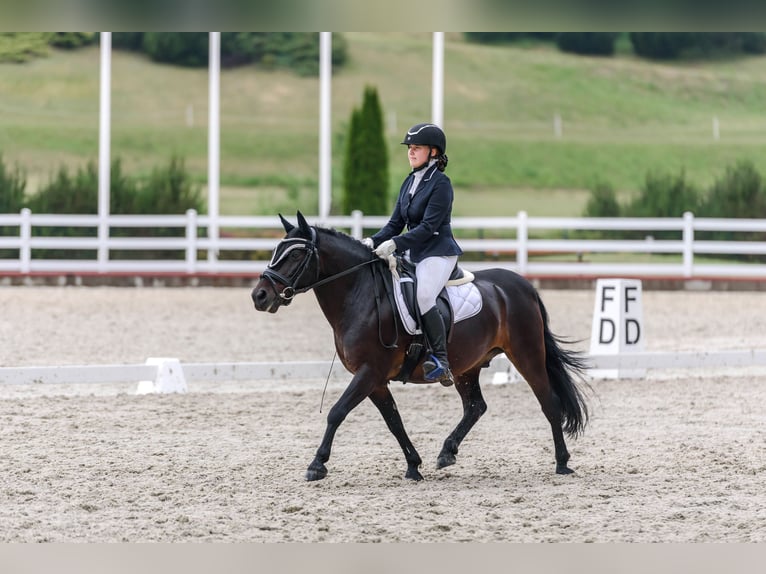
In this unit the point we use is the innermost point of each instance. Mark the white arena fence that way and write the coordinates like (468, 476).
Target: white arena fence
(511, 242)
(163, 375)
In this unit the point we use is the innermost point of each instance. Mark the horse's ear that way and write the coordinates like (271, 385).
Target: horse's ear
(286, 224)
(304, 225)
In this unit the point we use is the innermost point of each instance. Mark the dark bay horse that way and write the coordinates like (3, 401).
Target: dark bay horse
(513, 320)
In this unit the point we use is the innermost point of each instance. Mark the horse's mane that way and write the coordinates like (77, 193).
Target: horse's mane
(354, 245)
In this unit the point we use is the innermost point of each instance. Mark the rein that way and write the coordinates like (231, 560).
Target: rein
(333, 277)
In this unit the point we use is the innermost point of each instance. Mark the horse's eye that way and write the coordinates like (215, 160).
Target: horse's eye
(296, 255)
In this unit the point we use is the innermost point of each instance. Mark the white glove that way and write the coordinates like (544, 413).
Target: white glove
(385, 249)
(368, 243)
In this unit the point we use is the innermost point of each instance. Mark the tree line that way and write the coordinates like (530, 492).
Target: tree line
(649, 45)
(298, 51)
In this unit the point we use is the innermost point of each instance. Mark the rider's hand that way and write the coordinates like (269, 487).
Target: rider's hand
(385, 249)
(368, 243)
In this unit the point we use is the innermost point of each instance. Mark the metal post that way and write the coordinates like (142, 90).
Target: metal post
(213, 147)
(104, 152)
(437, 90)
(325, 127)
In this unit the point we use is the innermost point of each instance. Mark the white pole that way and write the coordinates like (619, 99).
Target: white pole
(558, 127)
(104, 152)
(325, 141)
(437, 90)
(213, 146)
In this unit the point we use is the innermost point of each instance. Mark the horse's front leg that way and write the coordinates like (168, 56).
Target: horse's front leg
(383, 399)
(358, 389)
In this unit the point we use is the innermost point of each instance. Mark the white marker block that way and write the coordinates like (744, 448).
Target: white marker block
(169, 378)
(617, 324)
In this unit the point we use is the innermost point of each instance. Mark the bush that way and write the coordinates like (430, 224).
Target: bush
(68, 194)
(366, 168)
(21, 47)
(293, 50)
(507, 37)
(672, 45)
(180, 48)
(587, 43)
(168, 190)
(664, 195)
(739, 193)
(72, 40)
(12, 186)
(659, 45)
(753, 42)
(602, 202)
(132, 41)
(13, 183)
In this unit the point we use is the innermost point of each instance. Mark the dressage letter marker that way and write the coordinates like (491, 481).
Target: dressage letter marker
(617, 324)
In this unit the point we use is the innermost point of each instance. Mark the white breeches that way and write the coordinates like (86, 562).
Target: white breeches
(432, 274)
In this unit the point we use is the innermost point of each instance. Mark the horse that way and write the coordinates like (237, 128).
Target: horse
(347, 279)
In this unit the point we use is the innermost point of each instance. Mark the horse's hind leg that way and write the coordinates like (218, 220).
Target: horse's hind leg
(532, 368)
(474, 407)
(383, 399)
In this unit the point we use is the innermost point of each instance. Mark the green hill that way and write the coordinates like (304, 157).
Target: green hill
(620, 117)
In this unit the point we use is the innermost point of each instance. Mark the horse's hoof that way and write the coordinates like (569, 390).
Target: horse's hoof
(445, 460)
(313, 474)
(563, 469)
(413, 474)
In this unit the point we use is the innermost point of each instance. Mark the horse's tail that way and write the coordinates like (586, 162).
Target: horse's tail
(563, 366)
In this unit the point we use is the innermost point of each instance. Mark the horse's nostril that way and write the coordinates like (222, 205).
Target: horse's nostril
(258, 295)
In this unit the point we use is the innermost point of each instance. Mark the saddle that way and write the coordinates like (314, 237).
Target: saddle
(458, 300)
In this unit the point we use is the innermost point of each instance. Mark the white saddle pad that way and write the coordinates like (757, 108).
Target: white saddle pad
(465, 300)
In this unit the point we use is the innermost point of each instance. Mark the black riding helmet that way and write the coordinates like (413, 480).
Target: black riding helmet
(426, 134)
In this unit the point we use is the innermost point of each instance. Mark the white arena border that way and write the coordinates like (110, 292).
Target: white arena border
(156, 372)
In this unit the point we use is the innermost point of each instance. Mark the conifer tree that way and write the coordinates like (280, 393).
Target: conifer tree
(365, 185)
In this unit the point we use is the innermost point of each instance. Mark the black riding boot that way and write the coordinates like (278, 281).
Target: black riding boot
(436, 366)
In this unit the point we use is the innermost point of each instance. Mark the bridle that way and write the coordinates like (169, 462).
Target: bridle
(311, 254)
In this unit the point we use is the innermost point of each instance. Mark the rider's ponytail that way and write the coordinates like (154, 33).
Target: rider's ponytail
(441, 162)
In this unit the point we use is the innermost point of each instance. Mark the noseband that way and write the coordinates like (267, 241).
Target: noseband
(285, 248)
(309, 246)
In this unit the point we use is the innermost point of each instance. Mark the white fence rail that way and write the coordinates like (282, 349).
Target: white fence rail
(513, 242)
(500, 369)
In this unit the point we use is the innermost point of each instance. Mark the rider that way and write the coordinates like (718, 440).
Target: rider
(424, 206)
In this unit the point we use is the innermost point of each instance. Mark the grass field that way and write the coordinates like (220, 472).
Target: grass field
(621, 117)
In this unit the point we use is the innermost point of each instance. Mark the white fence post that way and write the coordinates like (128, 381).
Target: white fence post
(191, 240)
(522, 255)
(688, 237)
(25, 236)
(357, 224)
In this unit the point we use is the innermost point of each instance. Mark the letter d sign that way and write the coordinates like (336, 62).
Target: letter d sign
(617, 323)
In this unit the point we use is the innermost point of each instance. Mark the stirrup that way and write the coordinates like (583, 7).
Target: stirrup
(433, 370)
